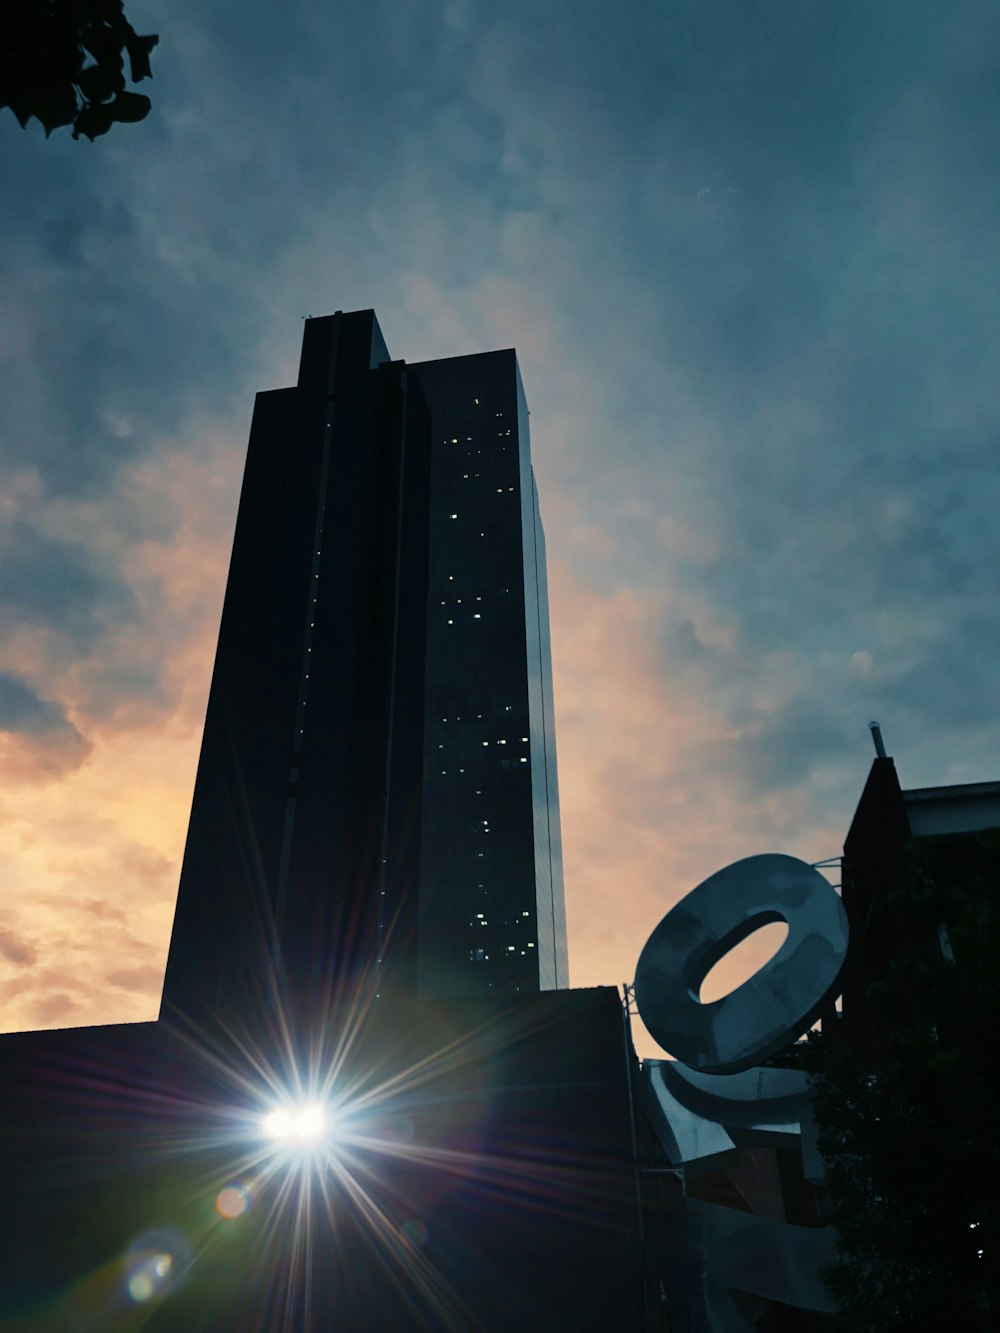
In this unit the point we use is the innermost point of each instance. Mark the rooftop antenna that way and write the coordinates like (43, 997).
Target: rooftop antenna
(876, 732)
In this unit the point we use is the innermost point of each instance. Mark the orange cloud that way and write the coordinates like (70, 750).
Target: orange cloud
(646, 811)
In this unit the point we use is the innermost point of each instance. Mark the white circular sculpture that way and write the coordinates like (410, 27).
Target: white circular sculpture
(780, 1001)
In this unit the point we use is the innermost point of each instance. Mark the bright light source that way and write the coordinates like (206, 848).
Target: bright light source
(309, 1123)
(278, 1125)
(303, 1124)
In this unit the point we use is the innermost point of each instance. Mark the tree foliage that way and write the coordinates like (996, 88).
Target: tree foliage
(913, 1162)
(63, 62)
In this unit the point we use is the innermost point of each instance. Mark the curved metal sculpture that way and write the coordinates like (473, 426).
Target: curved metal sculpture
(780, 1001)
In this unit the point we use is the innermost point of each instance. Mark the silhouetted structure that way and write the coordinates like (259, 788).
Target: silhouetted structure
(905, 1088)
(376, 803)
(370, 903)
(483, 1181)
(943, 823)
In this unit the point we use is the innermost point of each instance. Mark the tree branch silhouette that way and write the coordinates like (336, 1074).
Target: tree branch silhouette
(63, 63)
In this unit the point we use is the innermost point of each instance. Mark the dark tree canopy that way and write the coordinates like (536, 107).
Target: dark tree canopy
(912, 1153)
(63, 62)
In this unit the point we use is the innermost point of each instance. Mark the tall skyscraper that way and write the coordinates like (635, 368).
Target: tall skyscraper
(376, 804)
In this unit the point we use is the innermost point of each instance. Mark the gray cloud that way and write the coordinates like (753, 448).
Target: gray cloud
(22, 710)
(56, 1006)
(957, 683)
(786, 745)
(16, 948)
(142, 978)
(44, 742)
(103, 908)
(58, 584)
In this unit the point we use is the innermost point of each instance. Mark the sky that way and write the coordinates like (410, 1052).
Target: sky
(747, 254)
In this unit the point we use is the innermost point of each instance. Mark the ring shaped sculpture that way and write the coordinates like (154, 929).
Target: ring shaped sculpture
(780, 1001)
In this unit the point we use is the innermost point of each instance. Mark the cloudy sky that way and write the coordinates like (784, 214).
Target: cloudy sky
(747, 252)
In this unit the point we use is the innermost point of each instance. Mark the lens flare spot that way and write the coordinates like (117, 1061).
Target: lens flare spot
(155, 1263)
(149, 1277)
(232, 1201)
(140, 1287)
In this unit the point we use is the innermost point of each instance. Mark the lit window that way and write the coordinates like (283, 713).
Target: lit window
(477, 616)
(530, 945)
(525, 914)
(486, 742)
(523, 760)
(454, 516)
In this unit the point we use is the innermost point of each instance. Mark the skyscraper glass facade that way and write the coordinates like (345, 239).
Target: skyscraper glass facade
(492, 914)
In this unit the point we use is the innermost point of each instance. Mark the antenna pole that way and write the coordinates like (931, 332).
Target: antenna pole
(876, 732)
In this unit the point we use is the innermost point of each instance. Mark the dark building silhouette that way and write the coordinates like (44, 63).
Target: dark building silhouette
(376, 803)
(486, 1185)
(370, 914)
(906, 1082)
(943, 826)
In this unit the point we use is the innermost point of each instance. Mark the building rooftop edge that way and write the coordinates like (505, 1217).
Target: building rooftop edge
(953, 791)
